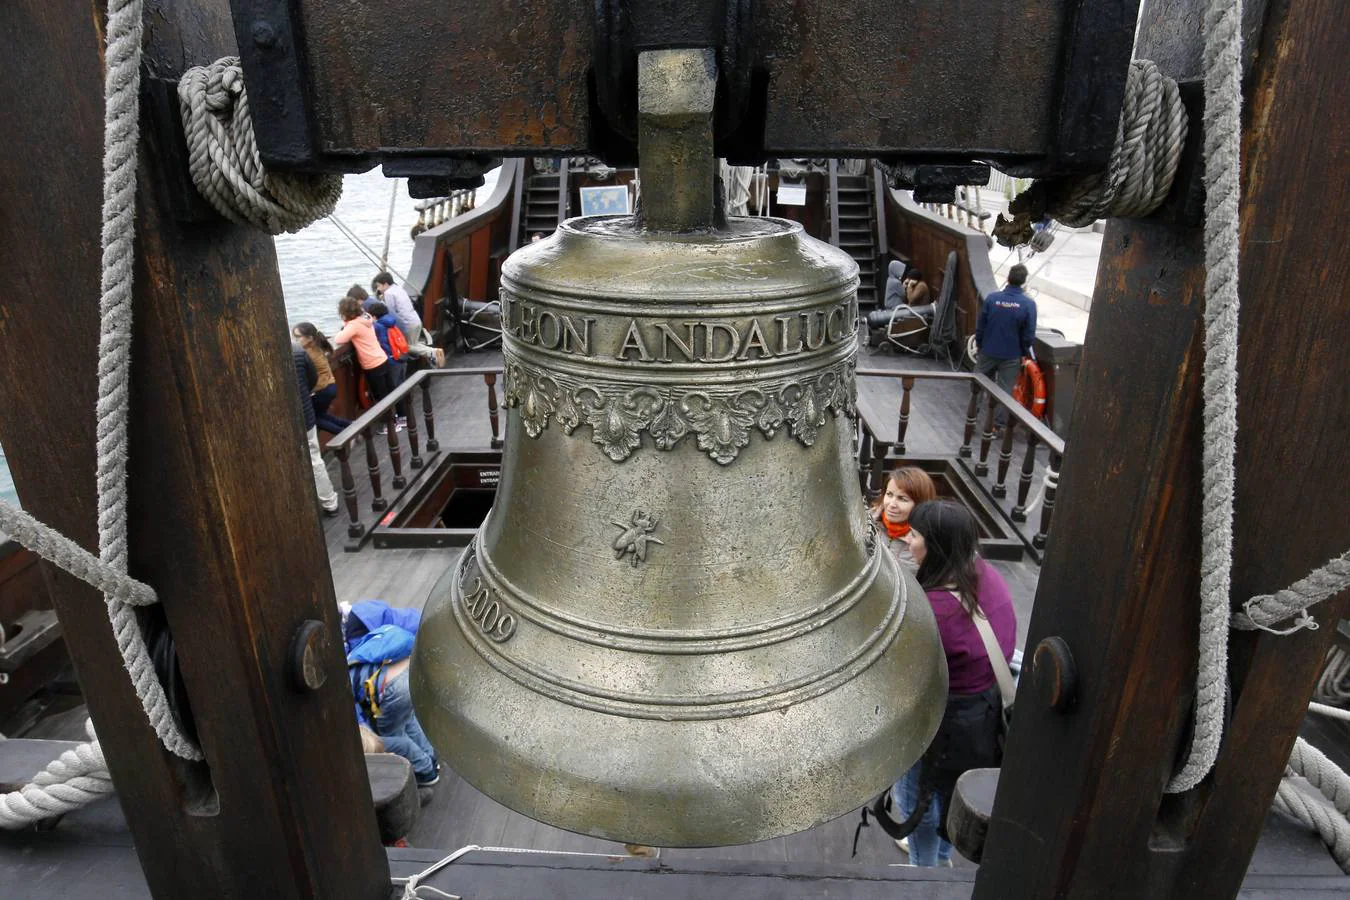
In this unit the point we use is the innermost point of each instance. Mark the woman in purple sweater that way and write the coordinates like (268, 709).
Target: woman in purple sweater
(944, 540)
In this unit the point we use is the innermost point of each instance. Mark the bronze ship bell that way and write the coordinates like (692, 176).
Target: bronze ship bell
(676, 627)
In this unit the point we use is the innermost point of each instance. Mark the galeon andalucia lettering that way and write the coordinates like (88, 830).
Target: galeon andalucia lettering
(681, 340)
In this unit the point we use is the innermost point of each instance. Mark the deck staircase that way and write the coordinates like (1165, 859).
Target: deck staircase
(857, 229)
(542, 207)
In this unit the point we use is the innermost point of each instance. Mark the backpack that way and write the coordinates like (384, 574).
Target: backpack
(398, 344)
(366, 659)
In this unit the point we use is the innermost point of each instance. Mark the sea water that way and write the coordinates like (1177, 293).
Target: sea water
(319, 264)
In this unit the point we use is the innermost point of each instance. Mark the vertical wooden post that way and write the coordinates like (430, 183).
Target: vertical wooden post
(354, 527)
(395, 453)
(907, 385)
(879, 451)
(377, 501)
(494, 421)
(1000, 488)
(429, 417)
(219, 505)
(1019, 512)
(987, 438)
(1048, 502)
(414, 454)
(972, 410)
(1081, 810)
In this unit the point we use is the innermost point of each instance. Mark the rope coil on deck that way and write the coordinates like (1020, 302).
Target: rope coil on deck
(72, 780)
(224, 160)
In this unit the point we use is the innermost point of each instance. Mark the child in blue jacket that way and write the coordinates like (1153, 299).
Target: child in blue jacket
(379, 642)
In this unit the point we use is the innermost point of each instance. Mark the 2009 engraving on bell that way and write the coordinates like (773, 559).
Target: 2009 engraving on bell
(754, 665)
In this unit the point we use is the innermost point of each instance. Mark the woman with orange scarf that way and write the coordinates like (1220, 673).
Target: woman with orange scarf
(906, 488)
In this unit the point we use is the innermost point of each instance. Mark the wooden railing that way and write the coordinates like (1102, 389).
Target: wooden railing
(966, 209)
(873, 451)
(384, 413)
(439, 210)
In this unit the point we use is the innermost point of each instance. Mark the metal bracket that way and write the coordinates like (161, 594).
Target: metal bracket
(626, 28)
(34, 631)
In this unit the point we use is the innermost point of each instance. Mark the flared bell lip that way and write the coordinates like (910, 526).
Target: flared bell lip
(687, 783)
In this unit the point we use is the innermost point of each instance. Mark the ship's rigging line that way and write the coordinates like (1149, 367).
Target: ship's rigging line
(389, 227)
(365, 249)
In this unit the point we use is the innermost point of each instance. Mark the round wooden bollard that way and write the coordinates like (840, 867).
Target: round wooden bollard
(306, 656)
(1054, 674)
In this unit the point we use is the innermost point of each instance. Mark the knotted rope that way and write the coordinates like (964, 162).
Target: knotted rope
(1149, 140)
(1263, 611)
(224, 161)
(75, 778)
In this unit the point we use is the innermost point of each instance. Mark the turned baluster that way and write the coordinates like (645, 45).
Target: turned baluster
(972, 409)
(1004, 460)
(1019, 512)
(415, 456)
(877, 482)
(491, 380)
(428, 418)
(354, 527)
(1048, 504)
(986, 439)
(395, 456)
(907, 383)
(864, 442)
(377, 501)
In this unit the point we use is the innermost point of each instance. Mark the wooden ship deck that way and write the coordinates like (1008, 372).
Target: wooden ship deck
(222, 520)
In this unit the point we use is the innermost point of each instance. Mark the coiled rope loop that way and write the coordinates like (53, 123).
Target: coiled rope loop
(224, 161)
(1143, 164)
(72, 780)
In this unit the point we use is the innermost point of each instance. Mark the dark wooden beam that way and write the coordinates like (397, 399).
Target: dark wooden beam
(223, 517)
(1081, 810)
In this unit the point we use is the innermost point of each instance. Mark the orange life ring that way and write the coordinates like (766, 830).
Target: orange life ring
(1030, 388)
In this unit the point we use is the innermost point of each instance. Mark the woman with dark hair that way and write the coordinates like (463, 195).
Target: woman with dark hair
(317, 348)
(944, 540)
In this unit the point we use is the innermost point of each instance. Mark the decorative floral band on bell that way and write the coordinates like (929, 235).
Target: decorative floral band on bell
(720, 417)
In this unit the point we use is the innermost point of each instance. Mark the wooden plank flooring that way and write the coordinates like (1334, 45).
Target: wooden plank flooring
(458, 814)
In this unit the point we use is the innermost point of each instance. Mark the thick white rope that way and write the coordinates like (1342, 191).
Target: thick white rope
(1327, 810)
(1334, 685)
(1150, 136)
(1263, 611)
(64, 553)
(224, 161)
(1222, 136)
(74, 779)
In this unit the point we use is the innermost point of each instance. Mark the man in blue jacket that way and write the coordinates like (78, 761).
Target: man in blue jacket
(1005, 330)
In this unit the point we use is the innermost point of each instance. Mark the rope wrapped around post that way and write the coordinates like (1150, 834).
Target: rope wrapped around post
(224, 160)
(1138, 177)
